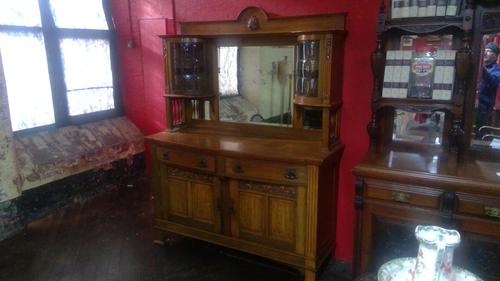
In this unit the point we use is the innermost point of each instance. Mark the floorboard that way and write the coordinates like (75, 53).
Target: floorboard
(109, 238)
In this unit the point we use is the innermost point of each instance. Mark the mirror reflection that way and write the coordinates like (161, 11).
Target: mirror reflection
(486, 125)
(255, 84)
(418, 127)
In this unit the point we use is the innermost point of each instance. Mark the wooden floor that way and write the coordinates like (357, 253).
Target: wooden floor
(110, 238)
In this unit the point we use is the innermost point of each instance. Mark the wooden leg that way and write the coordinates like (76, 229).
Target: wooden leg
(159, 237)
(162, 237)
(309, 275)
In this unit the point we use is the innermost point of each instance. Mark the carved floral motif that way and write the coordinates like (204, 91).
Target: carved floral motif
(281, 190)
(176, 172)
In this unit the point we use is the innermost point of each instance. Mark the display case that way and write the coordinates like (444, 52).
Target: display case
(251, 153)
(422, 73)
(420, 168)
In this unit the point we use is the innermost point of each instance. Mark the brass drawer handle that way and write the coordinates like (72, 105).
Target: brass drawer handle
(238, 168)
(165, 155)
(401, 197)
(291, 174)
(201, 163)
(492, 212)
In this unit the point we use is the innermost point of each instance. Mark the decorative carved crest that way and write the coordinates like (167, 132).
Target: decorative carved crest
(253, 23)
(254, 20)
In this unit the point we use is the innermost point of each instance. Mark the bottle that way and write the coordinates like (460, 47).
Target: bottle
(422, 74)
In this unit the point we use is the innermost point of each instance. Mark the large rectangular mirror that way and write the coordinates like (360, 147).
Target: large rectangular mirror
(485, 103)
(256, 84)
(487, 100)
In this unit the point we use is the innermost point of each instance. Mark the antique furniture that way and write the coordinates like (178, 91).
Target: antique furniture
(251, 153)
(423, 166)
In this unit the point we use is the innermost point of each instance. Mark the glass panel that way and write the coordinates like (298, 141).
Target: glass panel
(27, 78)
(419, 127)
(265, 80)
(228, 71)
(87, 73)
(87, 14)
(188, 66)
(20, 12)
(422, 68)
(307, 68)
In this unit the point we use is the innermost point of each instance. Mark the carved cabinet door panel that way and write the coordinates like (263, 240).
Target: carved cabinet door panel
(190, 198)
(268, 214)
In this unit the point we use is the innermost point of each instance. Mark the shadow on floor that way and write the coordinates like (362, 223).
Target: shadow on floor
(110, 238)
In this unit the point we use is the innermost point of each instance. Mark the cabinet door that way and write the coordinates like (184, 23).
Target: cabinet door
(190, 198)
(480, 246)
(268, 214)
(388, 232)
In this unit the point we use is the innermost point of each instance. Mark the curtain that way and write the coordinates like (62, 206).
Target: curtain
(10, 183)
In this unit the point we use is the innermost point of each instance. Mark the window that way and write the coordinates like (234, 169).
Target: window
(228, 71)
(57, 59)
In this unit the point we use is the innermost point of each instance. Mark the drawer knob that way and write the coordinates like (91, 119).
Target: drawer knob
(401, 197)
(165, 155)
(201, 163)
(291, 174)
(238, 168)
(492, 212)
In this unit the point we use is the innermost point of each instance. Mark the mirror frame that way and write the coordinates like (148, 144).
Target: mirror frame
(252, 26)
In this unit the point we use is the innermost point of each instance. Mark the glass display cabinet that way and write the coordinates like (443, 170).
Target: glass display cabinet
(251, 153)
(426, 164)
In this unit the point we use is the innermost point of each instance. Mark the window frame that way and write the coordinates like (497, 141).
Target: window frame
(52, 35)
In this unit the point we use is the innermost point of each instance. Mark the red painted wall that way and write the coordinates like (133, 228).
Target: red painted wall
(142, 81)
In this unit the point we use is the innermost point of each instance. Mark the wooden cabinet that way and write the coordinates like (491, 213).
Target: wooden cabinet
(394, 194)
(251, 153)
(278, 205)
(412, 175)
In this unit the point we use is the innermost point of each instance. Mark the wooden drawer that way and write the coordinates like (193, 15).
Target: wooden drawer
(405, 194)
(187, 159)
(478, 205)
(265, 170)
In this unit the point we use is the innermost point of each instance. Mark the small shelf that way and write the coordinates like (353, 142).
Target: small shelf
(418, 103)
(309, 101)
(193, 97)
(425, 25)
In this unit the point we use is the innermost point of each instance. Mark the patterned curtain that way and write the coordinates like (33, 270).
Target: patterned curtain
(10, 185)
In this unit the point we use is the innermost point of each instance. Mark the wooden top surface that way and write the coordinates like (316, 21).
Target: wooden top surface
(443, 171)
(296, 151)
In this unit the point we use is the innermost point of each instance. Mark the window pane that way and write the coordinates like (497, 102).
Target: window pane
(84, 14)
(19, 12)
(87, 73)
(27, 77)
(228, 71)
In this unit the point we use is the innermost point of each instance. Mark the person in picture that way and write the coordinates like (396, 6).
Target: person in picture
(490, 79)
